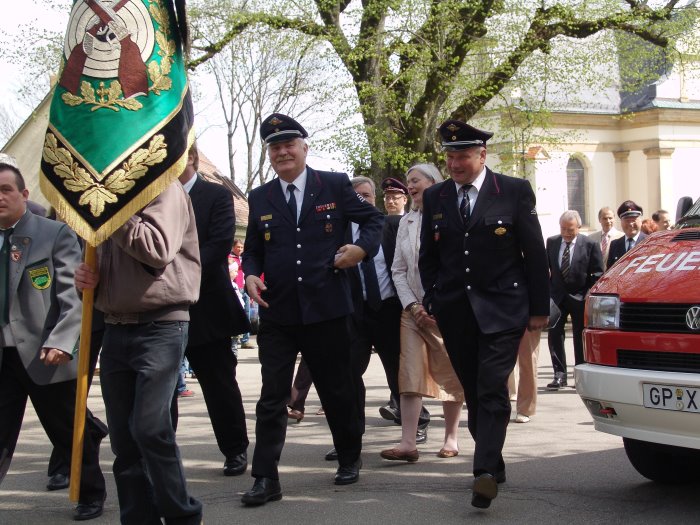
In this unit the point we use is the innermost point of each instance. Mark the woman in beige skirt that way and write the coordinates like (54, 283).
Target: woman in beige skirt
(425, 369)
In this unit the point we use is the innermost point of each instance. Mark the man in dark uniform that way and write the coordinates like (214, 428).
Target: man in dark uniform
(296, 238)
(630, 214)
(484, 268)
(395, 196)
(216, 316)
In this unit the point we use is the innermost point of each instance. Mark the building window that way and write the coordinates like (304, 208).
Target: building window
(576, 187)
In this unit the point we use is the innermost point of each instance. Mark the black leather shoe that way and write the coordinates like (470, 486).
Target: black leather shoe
(264, 490)
(389, 412)
(348, 474)
(484, 490)
(501, 476)
(236, 465)
(88, 511)
(58, 481)
(332, 455)
(421, 435)
(559, 382)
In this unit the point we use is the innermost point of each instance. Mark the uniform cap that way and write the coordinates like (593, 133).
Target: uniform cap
(391, 184)
(278, 127)
(629, 209)
(456, 135)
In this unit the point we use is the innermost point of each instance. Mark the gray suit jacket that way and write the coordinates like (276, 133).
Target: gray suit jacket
(45, 309)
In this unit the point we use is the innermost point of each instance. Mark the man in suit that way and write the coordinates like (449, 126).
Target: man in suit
(484, 268)
(376, 319)
(40, 324)
(296, 238)
(575, 264)
(216, 317)
(607, 233)
(630, 214)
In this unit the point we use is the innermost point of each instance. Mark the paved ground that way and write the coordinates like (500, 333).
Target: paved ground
(559, 470)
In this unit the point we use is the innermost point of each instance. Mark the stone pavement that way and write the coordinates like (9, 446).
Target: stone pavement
(559, 470)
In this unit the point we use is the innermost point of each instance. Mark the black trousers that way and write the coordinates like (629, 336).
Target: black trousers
(483, 363)
(555, 337)
(379, 329)
(55, 406)
(214, 364)
(325, 347)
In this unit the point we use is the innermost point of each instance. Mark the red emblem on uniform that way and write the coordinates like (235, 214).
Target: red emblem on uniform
(15, 255)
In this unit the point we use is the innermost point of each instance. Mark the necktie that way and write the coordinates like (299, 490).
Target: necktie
(292, 202)
(464, 206)
(374, 296)
(604, 243)
(630, 244)
(5, 277)
(565, 261)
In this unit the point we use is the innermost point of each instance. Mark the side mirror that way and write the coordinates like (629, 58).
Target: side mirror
(684, 204)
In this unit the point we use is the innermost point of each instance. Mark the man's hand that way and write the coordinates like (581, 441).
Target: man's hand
(255, 287)
(86, 277)
(348, 256)
(538, 322)
(54, 356)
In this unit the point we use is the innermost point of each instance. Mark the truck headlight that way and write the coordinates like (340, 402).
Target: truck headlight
(603, 311)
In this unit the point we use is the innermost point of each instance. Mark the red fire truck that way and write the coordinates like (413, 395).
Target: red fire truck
(641, 379)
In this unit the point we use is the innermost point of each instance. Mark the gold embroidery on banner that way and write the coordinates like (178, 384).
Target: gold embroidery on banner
(95, 237)
(111, 96)
(96, 194)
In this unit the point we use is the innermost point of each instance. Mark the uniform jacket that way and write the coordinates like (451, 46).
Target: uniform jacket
(388, 243)
(45, 309)
(218, 312)
(498, 259)
(297, 260)
(618, 248)
(585, 268)
(149, 268)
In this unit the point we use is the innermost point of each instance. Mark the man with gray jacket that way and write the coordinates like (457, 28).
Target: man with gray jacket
(148, 274)
(39, 329)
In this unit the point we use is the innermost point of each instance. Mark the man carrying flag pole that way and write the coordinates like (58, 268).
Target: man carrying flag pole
(119, 131)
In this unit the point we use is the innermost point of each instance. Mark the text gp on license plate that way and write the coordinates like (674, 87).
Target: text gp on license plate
(672, 397)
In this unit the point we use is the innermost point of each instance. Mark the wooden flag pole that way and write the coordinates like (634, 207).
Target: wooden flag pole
(82, 381)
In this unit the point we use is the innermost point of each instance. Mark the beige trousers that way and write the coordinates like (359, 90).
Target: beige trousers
(528, 355)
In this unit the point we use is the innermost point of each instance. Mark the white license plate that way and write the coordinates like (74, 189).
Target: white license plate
(672, 397)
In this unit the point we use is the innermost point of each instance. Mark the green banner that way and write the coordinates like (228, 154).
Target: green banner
(121, 115)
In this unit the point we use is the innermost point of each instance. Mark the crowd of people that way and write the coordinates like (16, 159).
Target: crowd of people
(452, 295)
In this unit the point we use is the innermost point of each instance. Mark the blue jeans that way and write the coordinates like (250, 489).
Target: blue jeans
(246, 307)
(181, 383)
(139, 369)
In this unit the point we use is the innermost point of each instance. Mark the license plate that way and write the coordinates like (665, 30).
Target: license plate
(672, 397)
